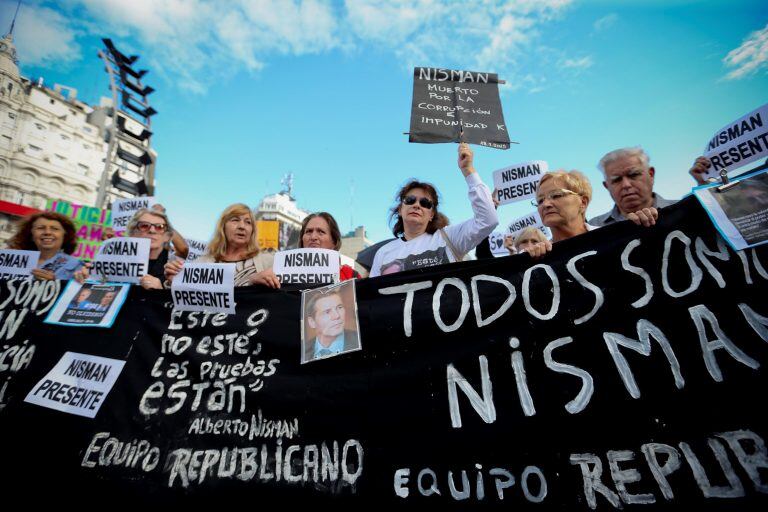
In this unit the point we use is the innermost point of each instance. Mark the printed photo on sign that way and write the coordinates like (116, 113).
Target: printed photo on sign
(307, 266)
(518, 182)
(739, 143)
(124, 209)
(16, 263)
(122, 259)
(205, 287)
(329, 324)
(89, 304)
(78, 384)
(739, 210)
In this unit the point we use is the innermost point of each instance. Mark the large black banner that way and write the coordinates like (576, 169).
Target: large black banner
(624, 370)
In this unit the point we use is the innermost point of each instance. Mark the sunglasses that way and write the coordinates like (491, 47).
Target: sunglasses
(144, 227)
(423, 202)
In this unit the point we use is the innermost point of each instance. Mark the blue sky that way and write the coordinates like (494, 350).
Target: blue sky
(250, 90)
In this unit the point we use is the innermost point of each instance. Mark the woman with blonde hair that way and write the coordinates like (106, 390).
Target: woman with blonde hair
(562, 199)
(528, 237)
(234, 241)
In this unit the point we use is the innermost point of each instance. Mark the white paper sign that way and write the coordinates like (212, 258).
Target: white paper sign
(14, 262)
(496, 241)
(196, 249)
(533, 219)
(739, 143)
(307, 266)
(78, 384)
(518, 182)
(205, 287)
(124, 209)
(123, 260)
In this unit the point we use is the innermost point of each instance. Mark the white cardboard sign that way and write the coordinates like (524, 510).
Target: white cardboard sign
(124, 209)
(307, 266)
(518, 182)
(78, 384)
(196, 249)
(123, 260)
(532, 219)
(739, 143)
(496, 241)
(205, 287)
(14, 262)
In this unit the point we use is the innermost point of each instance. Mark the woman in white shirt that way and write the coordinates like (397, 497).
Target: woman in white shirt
(424, 238)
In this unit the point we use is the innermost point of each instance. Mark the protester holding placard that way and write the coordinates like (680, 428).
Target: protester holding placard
(629, 180)
(321, 231)
(154, 225)
(424, 237)
(53, 235)
(234, 241)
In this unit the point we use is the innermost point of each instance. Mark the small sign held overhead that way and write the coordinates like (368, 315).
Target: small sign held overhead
(457, 106)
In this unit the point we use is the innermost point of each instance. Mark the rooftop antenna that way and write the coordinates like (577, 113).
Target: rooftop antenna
(13, 23)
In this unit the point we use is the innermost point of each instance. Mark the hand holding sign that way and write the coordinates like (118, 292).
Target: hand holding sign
(457, 106)
(307, 266)
(466, 159)
(205, 287)
(122, 259)
(518, 182)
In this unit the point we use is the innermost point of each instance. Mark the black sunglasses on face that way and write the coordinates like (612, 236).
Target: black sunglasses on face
(424, 202)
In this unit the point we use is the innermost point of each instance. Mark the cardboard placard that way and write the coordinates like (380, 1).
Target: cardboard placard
(307, 266)
(457, 106)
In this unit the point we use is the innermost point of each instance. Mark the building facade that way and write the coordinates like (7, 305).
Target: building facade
(52, 146)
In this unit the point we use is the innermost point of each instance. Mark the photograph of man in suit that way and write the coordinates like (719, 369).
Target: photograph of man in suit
(326, 315)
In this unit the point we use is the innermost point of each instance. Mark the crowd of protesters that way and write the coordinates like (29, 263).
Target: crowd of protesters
(423, 235)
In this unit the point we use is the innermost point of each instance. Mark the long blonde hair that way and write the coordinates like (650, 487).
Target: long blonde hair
(218, 244)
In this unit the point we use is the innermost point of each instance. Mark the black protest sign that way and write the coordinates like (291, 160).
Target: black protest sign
(627, 367)
(457, 106)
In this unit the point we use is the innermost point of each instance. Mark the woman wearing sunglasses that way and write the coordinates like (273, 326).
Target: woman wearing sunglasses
(424, 238)
(152, 224)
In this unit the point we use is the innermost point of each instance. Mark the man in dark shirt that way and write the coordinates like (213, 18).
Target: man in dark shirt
(629, 180)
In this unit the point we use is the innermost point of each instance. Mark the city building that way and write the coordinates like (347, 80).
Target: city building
(52, 145)
(282, 207)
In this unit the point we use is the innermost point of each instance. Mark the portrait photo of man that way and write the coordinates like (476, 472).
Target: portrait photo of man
(329, 323)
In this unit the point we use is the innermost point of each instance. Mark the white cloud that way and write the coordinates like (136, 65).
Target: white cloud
(577, 64)
(192, 43)
(605, 22)
(42, 36)
(750, 57)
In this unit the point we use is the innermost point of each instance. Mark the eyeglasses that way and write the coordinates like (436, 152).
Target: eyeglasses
(423, 201)
(553, 196)
(144, 227)
(633, 175)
